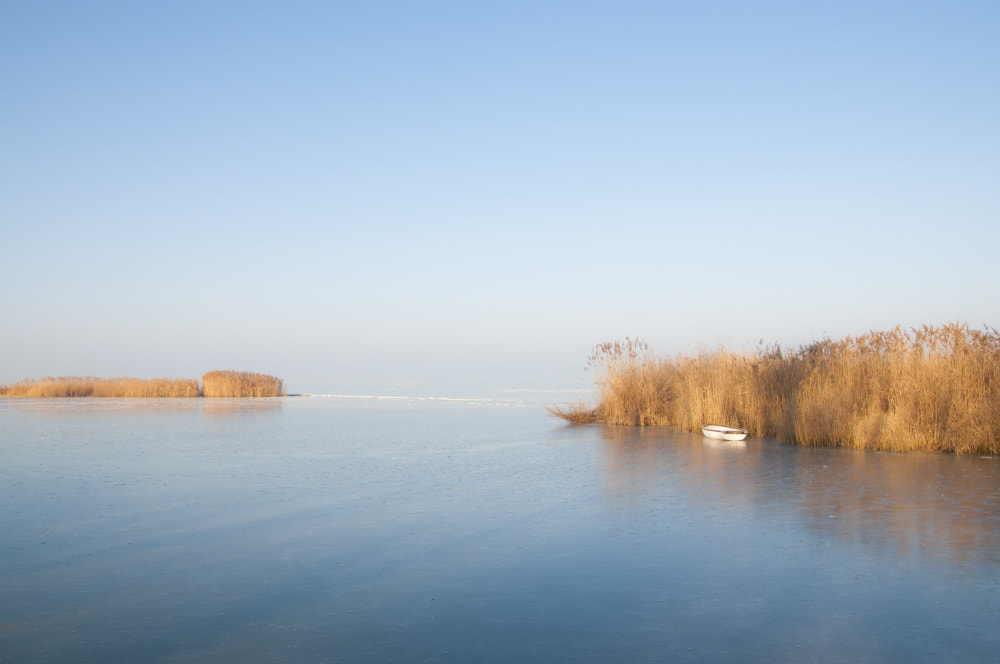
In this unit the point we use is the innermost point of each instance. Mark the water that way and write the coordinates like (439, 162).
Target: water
(474, 528)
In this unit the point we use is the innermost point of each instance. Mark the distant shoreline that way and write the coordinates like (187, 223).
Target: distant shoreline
(223, 383)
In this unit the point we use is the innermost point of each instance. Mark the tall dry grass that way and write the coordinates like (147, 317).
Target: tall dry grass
(927, 388)
(632, 387)
(241, 384)
(73, 386)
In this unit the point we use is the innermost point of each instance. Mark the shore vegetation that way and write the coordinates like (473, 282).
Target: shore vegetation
(214, 384)
(241, 384)
(928, 388)
(73, 386)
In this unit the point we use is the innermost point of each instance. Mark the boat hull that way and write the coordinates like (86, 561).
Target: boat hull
(719, 432)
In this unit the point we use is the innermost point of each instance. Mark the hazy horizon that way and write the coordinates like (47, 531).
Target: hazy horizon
(446, 191)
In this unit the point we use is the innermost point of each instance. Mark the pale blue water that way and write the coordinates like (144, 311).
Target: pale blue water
(467, 525)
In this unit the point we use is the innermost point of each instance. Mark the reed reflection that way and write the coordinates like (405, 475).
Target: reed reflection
(218, 406)
(94, 406)
(101, 405)
(914, 503)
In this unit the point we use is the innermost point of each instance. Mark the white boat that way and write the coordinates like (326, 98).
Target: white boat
(719, 432)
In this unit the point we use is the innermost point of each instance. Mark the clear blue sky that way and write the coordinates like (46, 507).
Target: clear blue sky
(484, 191)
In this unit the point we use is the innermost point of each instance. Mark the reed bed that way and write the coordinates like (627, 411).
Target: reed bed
(927, 388)
(214, 384)
(241, 384)
(73, 386)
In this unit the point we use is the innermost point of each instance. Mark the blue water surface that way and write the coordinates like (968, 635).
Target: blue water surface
(468, 525)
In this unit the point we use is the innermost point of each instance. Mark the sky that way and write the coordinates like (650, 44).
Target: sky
(484, 191)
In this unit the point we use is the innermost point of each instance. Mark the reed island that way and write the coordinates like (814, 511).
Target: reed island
(213, 384)
(928, 388)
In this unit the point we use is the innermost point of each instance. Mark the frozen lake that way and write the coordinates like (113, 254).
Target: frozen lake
(474, 528)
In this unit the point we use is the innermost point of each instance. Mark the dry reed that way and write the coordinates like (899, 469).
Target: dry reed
(241, 384)
(214, 384)
(72, 386)
(929, 388)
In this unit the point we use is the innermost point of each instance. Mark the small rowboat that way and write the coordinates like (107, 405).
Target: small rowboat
(720, 432)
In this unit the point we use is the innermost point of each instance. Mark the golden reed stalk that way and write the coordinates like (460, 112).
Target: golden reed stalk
(241, 384)
(932, 388)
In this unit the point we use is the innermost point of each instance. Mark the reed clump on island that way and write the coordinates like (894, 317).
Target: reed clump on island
(927, 388)
(241, 384)
(214, 384)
